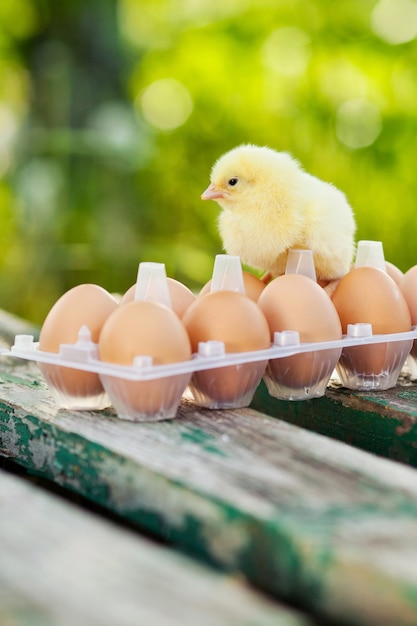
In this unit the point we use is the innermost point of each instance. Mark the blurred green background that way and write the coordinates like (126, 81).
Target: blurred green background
(112, 113)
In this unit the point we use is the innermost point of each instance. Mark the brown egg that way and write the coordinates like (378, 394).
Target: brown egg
(181, 296)
(137, 329)
(236, 320)
(231, 386)
(84, 305)
(295, 302)
(230, 317)
(408, 288)
(395, 272)
(253, 286)
(369, 295)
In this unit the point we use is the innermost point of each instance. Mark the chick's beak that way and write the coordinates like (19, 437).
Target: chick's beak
(212, 193)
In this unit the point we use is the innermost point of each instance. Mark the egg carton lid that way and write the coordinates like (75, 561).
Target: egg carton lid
(83, 354)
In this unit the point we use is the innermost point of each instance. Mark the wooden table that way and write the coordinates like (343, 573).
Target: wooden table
(217, 517)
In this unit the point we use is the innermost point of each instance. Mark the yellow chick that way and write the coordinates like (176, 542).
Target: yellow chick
(271, 205)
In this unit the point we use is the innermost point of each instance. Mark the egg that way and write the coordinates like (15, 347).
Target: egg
(394, 271)
(408, 286)
(181, 296)
(295, 302)
(140, 329)
(84, 305)
(369, 295)
(238, 322)
(253, 286)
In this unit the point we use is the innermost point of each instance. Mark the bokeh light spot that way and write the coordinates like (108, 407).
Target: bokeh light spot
(39, 184)
(395, 20)
(358, 123)
(166, 104)
(340, 80)
(286, 51)
(8, 132)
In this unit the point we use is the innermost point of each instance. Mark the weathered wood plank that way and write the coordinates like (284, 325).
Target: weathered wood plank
(62, 566)
(306, 518)
(383, 422)
(11, 325)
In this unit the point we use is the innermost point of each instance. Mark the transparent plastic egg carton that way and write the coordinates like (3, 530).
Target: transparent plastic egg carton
(68, 393)
(226, 381)
(141, 392)
(412, 361)
(376, 363)
(303, 375)
(362, 361)
(147, 392)
(144, 391)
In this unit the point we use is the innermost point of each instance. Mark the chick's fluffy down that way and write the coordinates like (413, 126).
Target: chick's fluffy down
(271, 205)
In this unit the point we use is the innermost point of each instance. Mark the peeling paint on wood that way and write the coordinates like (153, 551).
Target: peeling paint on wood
(384, 423)
(62, 566)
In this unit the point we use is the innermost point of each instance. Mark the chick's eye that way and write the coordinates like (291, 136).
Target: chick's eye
(233, 181)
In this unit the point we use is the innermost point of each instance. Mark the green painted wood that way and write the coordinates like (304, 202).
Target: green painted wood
(62, 566)
(383, 422)
(306, 518)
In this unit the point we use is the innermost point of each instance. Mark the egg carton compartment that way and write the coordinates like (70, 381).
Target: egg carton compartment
(215, 378)
(362, 361)
(412, 361)
(302, 376)
(374, 365)
(383, 364)
(74, 388)
(146, 400)
(227, 387)
(306, 373)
